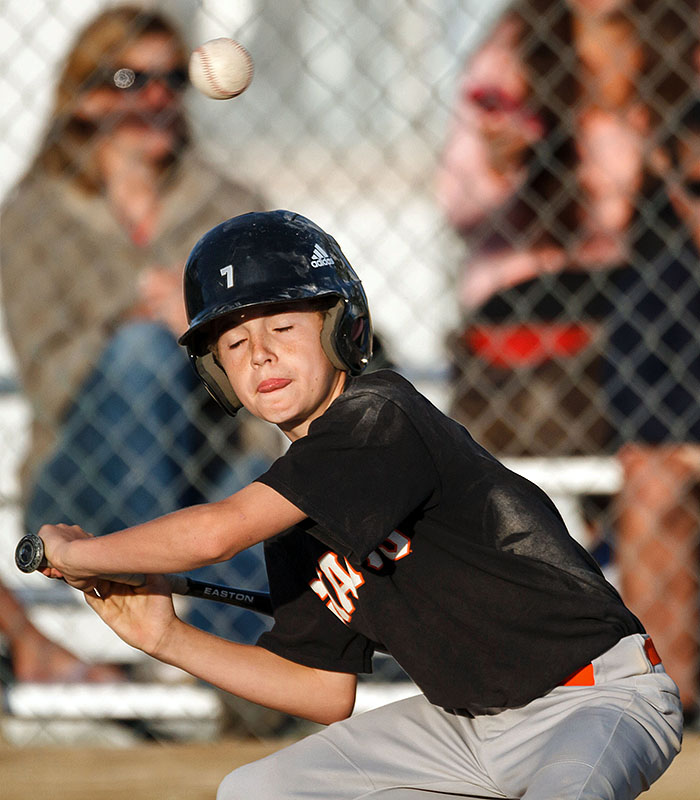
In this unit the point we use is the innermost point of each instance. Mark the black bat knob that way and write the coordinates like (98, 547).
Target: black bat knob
(29, 553)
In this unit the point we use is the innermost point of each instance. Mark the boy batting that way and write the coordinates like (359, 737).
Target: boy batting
(386, 528)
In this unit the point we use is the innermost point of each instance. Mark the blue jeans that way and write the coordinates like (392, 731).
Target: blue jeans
(143, 439)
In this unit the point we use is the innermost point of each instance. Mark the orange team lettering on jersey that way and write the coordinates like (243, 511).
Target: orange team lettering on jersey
(337, 583)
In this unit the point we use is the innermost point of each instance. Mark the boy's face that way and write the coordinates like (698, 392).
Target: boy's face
(278, 369)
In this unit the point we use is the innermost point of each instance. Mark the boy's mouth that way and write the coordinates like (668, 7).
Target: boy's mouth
(272, 385)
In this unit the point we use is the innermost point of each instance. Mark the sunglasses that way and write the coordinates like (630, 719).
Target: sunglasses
(131, 80)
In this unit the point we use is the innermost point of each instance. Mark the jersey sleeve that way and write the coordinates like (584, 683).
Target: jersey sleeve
(305, 631)
(361, 470)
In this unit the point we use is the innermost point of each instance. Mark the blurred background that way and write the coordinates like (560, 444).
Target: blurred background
(518, 186)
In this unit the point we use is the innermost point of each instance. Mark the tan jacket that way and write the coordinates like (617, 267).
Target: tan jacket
(69, 274)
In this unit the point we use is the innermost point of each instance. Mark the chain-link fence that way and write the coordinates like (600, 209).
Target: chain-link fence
(517, 186)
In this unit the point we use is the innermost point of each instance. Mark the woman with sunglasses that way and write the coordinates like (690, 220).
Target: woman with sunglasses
(94, 240)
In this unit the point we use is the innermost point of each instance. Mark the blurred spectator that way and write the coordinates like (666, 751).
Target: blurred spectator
(612, 124)
(633, 93)
(94, 241)
(33, 657)
(637, 61)
(527, 360)
(544, 176)
(115, 198)
(654, 385)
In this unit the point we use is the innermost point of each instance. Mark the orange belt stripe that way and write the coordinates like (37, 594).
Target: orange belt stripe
(582, 677)
(652, 653)
(585, 676)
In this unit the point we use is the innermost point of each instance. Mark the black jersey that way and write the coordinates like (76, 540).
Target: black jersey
(419, 543)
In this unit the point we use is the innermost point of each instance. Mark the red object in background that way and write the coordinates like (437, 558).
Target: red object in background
(521, 345)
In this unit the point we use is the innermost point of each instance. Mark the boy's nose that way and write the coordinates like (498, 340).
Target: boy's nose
(260, 351)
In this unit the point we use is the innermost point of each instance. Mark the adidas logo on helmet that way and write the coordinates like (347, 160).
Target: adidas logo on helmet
(320, 258)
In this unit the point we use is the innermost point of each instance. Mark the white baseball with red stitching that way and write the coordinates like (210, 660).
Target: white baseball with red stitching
(221, 68)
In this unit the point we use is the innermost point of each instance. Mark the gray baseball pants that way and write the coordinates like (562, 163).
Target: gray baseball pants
(608, 741)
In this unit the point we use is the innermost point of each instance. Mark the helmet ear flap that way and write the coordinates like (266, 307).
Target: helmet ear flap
(346, 338)
(329, 339)
(216, 381)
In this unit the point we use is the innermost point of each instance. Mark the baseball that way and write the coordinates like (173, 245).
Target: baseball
(221, 68)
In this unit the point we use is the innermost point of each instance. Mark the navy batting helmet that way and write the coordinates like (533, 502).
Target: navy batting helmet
(263, 258)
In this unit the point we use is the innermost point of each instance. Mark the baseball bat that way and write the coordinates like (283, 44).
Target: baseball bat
(29, 556)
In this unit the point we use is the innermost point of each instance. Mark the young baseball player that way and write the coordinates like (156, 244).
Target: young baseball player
(386, 528)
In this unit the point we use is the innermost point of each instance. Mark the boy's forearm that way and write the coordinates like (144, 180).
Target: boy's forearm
(183, 540)
(256, 674)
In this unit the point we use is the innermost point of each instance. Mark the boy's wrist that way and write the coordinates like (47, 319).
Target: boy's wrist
(69, 557)
(168, 647)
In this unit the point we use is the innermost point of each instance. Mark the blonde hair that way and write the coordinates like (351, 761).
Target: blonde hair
(65, 148)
